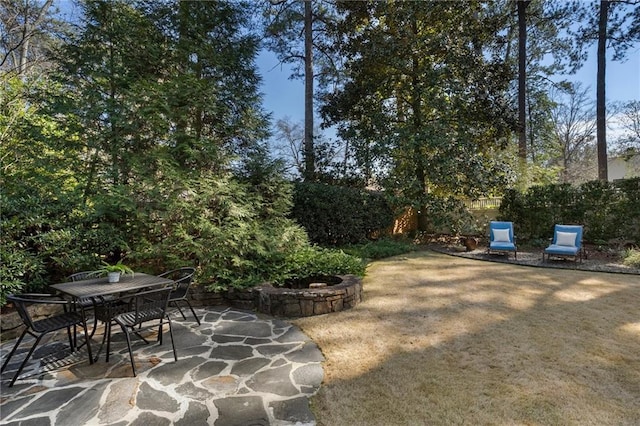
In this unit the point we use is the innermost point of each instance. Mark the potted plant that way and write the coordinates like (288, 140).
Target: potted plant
(114, 271)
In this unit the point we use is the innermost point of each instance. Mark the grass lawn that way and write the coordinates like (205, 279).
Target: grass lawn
(446, 340)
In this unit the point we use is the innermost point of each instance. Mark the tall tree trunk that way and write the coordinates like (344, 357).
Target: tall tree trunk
(28, 31)
(522, 79)
(309, 156)
(601, 121)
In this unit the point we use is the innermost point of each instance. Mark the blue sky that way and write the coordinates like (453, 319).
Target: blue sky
(285, 98)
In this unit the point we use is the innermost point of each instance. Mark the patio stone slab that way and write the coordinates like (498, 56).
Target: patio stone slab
(237, 368)
(242, 410)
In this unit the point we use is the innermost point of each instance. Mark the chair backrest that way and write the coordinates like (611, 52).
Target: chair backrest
(498, 225)
(183, 277)
(148, 305)
(564, 230)
(81, 275)
(22, 301)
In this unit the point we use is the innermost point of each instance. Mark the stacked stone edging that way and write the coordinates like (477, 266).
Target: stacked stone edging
(286, 302)
(266, 299)
(11, 325)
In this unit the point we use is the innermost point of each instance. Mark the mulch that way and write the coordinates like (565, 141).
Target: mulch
(597, 260)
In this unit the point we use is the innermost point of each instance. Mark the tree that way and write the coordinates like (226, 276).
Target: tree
(27, 28)
(536, 31)
(603, 17)
(573, 118)
(629, 122)
(424, 104)
(285, 21)
(522, 78)
(289, 148)
(618, 28)
(309, 157)
(544, 49)
(154, 117)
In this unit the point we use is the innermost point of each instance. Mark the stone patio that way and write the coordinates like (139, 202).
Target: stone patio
(237, 368)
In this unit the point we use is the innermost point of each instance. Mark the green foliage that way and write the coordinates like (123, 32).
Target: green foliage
(334, 215)
(607, 210)
(18, 267)
(379, 249)
(107, 268)
(316, 261)
(235, 232)
(632, 258)
(424, 115)
(130, 151)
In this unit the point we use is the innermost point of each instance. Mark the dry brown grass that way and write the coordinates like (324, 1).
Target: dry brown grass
(446, 340)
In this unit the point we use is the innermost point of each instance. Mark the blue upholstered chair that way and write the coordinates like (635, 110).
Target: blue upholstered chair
(567, 243)
(502, 239)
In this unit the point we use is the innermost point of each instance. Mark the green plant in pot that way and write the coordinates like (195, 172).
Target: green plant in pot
(113, 272)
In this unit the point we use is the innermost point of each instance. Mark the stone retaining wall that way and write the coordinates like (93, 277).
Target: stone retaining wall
(286, 302)
(266, 299)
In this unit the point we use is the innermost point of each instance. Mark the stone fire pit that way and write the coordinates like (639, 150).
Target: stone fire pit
(320, 296)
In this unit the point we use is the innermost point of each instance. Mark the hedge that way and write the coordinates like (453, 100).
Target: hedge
(607, 210)
(335, 215)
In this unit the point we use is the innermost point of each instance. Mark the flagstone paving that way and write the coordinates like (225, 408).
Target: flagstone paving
(237, 368)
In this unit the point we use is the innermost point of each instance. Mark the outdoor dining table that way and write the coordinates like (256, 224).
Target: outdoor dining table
(100, 289)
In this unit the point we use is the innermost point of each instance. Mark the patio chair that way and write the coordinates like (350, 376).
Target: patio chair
(145, 307)
(502, 239)
(42, 327)
(183, 278)
(566, 243)
(86, 304)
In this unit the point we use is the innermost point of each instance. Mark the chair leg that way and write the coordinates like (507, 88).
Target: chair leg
(90, 335)
(173, 344)
(87, 339)
(26, 359)
(175, 303)
(107, 335)
(6, 361)
(126, 334)
(160, 331)
(72, 338)
(192, 311)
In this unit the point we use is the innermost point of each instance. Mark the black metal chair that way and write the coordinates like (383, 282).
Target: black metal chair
(144, 307)
(183, 277)
(86, 304)
(39, 328)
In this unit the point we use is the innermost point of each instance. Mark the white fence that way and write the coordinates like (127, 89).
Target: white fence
(484, 203)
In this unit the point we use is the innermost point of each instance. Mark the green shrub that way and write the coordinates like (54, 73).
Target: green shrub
(632, 258)
(316, 261)
(45, 237)
(606, 210)
(380, 249)
(335, 216)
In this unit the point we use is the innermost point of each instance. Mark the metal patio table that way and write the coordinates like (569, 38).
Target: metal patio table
(97, 287)
(100, 289)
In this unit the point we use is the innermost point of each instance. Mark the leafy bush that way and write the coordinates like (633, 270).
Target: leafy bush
(44, 237)
(334, 216)
(607, 210)
(380, 249)
(631, 257)
(317, 261)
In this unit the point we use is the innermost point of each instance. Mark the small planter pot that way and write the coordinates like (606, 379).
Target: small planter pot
(114, 277)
